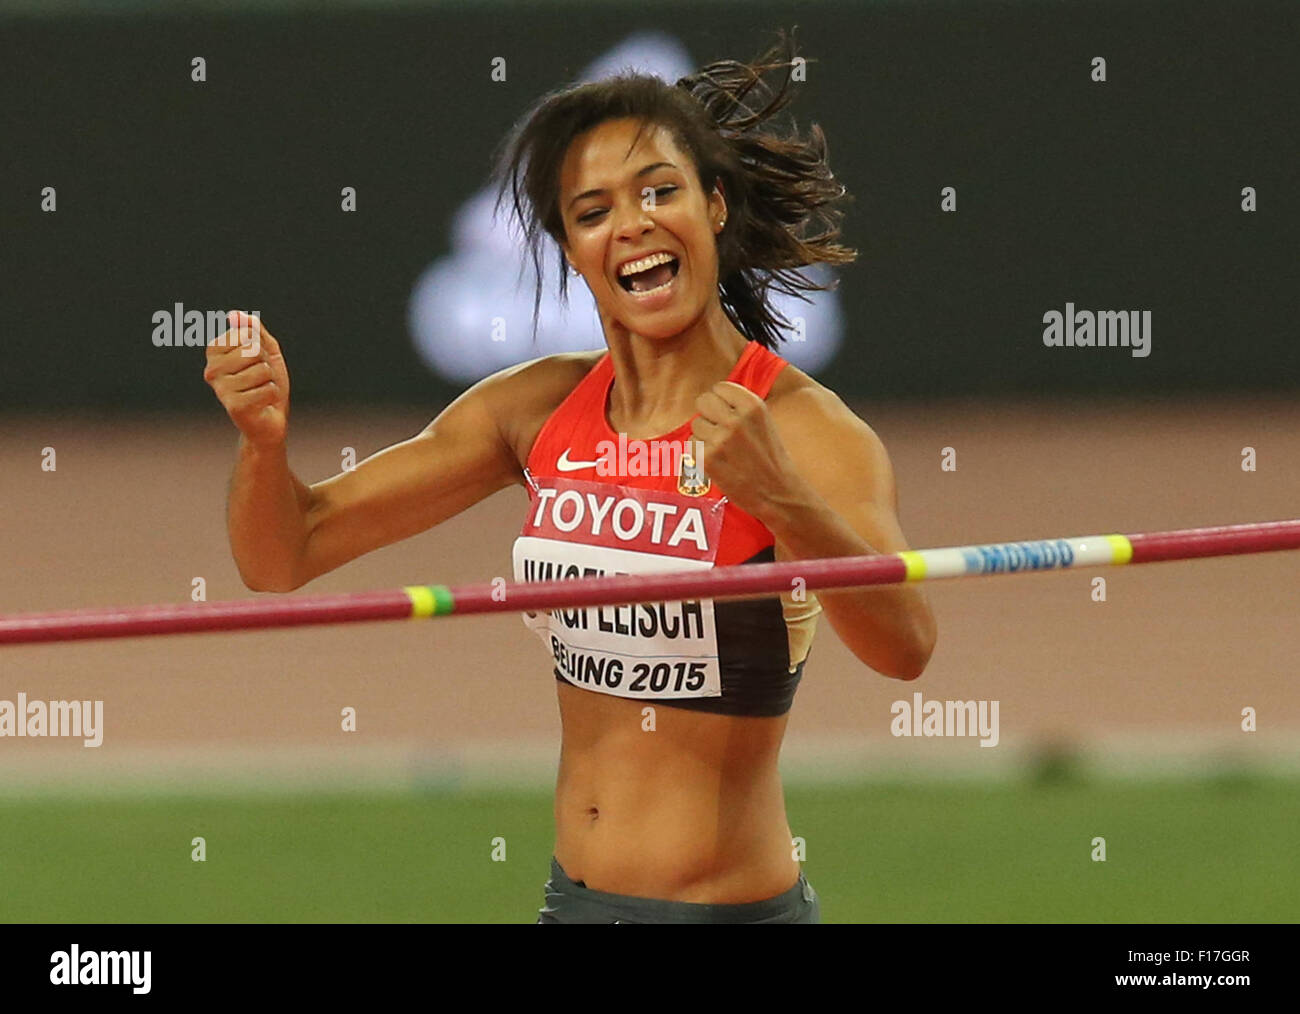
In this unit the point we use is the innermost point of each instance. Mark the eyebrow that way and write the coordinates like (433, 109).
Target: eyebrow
(643, 172)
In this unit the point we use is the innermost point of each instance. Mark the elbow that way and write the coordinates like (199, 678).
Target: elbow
(900, 652)
(909, 664)
(269, 583)
(903, 666)
(262, 574)
(279, 587)
(907, 669)
(910, 671)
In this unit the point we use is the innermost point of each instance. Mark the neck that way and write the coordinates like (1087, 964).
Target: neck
(657, 380)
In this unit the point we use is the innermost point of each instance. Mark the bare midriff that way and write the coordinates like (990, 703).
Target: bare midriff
(691, 811)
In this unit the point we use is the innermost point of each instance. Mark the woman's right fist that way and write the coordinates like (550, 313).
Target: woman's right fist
(247, 372)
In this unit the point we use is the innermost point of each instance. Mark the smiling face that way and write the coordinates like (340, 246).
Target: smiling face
(620, 210)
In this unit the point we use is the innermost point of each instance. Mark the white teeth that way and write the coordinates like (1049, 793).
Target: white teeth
(645, 263)
(651, 292)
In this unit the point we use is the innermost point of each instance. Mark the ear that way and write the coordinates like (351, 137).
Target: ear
(717, 206)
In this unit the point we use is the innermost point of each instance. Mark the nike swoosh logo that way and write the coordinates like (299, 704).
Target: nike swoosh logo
(565, 465)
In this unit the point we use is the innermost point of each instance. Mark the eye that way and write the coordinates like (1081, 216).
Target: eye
(660, 193)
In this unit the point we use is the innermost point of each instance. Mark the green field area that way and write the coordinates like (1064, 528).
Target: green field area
(1178, 851)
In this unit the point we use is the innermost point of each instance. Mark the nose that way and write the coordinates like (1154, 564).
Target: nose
(633, 221)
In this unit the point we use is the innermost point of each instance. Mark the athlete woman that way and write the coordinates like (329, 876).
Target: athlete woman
(669, 805)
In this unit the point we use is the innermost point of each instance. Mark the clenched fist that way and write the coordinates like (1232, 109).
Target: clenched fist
(254, 388)
(743, 451)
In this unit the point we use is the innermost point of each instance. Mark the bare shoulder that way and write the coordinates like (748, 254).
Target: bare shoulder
(520, 398)
(834, 446)
(552, 372)
(805, 407)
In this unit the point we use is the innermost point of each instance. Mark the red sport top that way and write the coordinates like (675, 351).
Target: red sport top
(601, 504)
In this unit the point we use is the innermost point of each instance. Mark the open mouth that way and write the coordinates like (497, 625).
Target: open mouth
(652, 279)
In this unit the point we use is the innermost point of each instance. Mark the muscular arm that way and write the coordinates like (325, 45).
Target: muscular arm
(284, 533)
(845, 503)
(265, 517)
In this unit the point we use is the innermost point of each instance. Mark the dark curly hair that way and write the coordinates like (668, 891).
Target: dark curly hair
(783, 202)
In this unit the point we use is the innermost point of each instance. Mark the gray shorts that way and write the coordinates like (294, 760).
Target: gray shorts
(569, 901)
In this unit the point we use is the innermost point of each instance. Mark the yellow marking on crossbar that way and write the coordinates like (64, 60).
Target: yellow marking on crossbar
(422, 603)
(915, 564)
(1121, 548)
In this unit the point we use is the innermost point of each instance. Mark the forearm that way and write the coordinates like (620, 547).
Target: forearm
(267, 519)
(891, 627)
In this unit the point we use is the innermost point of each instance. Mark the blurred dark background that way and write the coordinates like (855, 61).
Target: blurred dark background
(1117, 195)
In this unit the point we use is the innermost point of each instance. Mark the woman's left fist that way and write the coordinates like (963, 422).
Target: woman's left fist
(741, 449)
